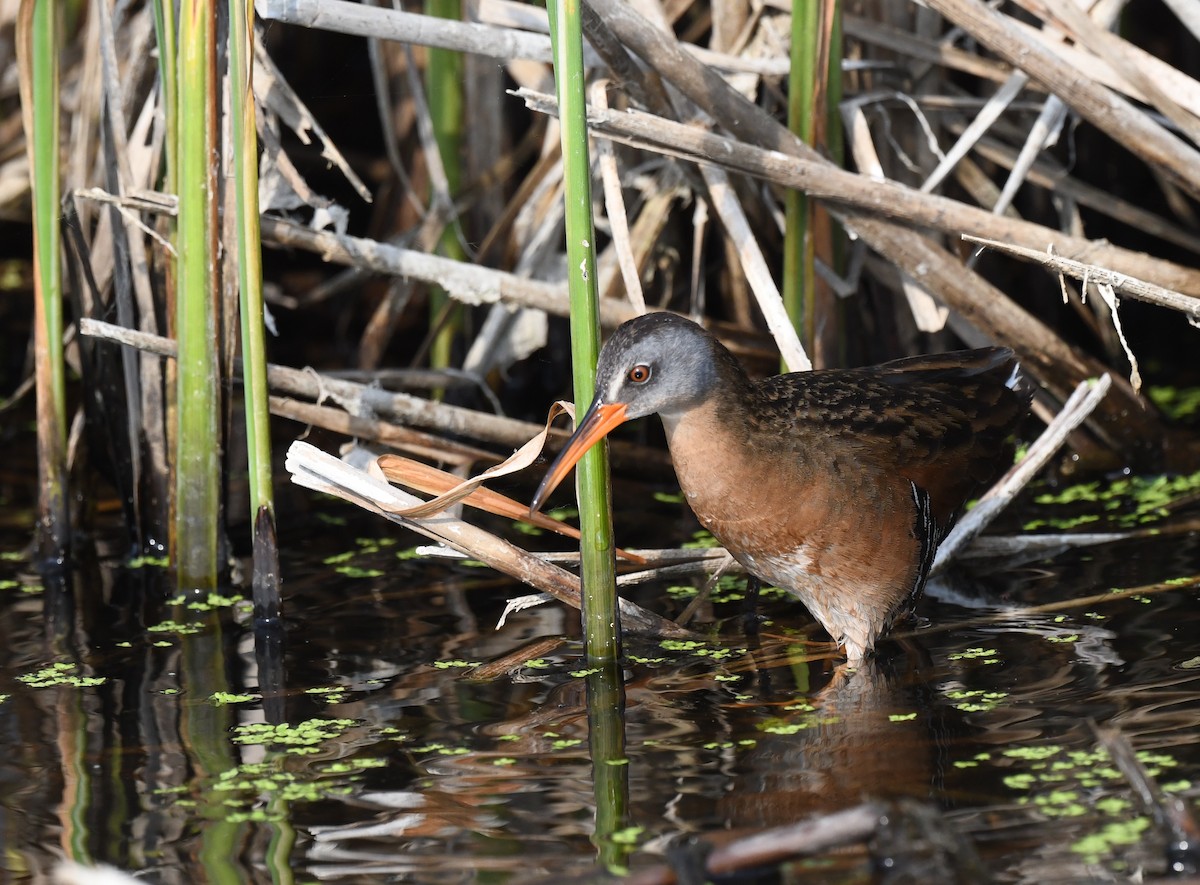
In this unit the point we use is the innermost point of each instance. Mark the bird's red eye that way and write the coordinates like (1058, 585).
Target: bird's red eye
(639, 374)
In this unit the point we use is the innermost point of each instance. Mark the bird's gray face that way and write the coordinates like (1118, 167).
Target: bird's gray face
(656, 363)
(662, 367)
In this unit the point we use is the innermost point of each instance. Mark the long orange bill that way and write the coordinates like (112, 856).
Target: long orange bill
(599, 420)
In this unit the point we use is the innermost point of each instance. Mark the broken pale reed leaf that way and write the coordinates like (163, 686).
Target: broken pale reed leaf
(399, 469)
(450, 490)
(314, 469)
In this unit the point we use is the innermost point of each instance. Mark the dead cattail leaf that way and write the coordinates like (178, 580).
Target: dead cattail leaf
(450, 490)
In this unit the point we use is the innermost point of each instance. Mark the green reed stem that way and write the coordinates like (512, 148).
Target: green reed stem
(204, 737)
(799, 247)
(600, 623)
(254, 345)
(197, 463)
(446, 109)
(610, 765)
(835, 144)
(168, 49)
(38, 39)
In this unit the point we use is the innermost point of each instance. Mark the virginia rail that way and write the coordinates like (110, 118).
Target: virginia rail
(836, 485)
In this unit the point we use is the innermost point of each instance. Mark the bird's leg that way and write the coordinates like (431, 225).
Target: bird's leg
(750, 606)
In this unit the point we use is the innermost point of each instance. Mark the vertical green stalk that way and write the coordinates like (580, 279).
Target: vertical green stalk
(610, 765)
(600, 624)
(254, 347)
(77, 773)
(834, 142)
(446, 109)
(799, 246)
(197, 463)
(165, 36)
(38, 26)
(278, 856)
(204, 730)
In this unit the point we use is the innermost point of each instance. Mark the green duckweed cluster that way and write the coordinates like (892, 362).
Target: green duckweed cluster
(977, 655)
(261, 791)
(1180, 404)
(1061, 783)
(60, 673)
(30, 587)
(1125, 503)
(346, 565)
(974, 700)
(212, 601)
(301, 738)
(700, 649)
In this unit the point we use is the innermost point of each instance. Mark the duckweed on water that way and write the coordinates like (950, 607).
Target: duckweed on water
(1177, 403)
(60, 673)
(441, 749)
(341, 562)
(976, 700)
(1096, 846)
(148, 562)
(30, 587)
(795, 726)
(701, 540)
(700, 649)
(223, 698)
(645, 661)
(1062, 783)
(1129, 502)
(979, 655)
(211, 602)
(746, 743)
(175, 627)
(304, 737)
(374, 545)
(332, 694)
(353, 571)
(244, 789)
(627, 836)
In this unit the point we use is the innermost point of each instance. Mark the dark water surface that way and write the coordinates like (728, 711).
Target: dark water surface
(147, 746)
